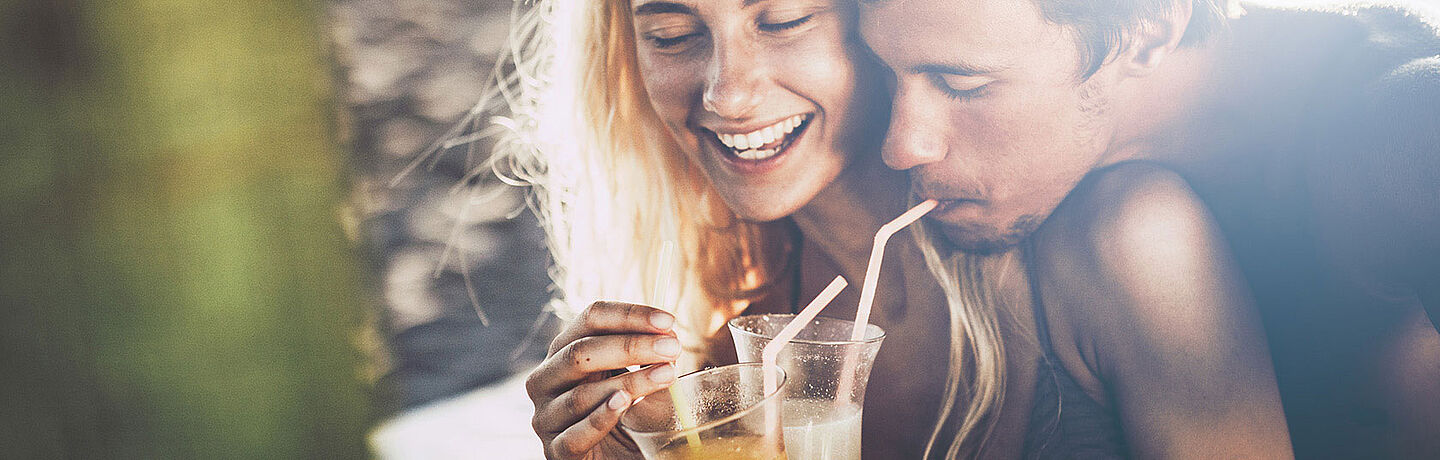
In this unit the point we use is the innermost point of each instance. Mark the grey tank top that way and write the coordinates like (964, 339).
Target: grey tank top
(1065, 422)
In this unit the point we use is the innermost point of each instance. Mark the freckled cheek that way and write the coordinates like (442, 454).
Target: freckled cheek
(827, 77)
(816, 71)
(673, 93)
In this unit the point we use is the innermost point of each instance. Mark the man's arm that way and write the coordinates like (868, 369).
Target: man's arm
(1144, 297)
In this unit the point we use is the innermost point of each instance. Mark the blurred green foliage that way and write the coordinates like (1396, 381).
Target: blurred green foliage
(174, 278)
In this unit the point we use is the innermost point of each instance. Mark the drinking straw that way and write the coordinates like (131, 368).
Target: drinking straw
(872, 277)
(771, 353)
(877, 254)
(660, 292)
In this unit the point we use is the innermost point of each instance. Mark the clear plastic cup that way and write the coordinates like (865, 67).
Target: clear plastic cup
(827, 373)
(719, 413)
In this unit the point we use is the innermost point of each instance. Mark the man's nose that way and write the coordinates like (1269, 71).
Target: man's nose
(912, 139)
(732, 86)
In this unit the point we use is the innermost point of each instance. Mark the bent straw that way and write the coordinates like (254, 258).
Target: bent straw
(877, 254)
(771, 352)
(872, 277)
(660, 292)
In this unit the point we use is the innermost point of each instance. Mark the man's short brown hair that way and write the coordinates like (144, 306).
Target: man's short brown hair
(1101, 25)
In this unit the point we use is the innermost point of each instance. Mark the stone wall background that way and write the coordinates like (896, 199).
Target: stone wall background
(408, 70)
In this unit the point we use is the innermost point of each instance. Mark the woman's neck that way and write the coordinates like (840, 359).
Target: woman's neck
(843, 218)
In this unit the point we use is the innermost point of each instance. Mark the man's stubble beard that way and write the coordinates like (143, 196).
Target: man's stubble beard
(1094, 106)
(970, 242)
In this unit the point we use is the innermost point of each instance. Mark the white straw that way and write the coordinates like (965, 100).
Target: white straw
(771, 353)
(659, 292)
(877, 254)
(660, 295)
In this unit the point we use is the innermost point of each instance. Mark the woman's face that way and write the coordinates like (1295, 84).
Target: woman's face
(771, 98)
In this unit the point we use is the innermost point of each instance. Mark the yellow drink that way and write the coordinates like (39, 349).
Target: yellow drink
(737, 448)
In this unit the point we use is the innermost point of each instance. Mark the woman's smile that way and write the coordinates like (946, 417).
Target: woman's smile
(769, 100)
(752, 150)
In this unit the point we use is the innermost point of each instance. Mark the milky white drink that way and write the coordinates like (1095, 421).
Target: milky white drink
(827, 372)
(816, 430)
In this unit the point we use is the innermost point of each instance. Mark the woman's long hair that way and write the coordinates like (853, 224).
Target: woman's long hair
(976, 375)
(609, 186)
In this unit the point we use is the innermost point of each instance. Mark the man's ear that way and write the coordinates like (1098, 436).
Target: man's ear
(1154, 39)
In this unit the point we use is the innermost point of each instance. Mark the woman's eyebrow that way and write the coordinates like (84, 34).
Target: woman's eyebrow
(662, 7)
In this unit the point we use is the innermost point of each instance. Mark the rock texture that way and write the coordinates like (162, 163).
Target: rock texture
(408, 71)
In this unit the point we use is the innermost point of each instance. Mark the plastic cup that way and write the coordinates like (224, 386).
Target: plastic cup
(724, 411)
(821, 419)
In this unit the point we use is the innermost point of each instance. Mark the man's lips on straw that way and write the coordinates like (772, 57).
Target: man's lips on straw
(947, 195)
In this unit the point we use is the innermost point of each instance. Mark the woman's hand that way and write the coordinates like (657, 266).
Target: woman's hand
(577, 400)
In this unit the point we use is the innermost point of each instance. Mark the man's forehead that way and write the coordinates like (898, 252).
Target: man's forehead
(923, 30)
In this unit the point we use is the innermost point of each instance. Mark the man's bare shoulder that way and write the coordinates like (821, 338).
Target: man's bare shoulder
(1141, 294)
(1133, 255)
(1118, 218)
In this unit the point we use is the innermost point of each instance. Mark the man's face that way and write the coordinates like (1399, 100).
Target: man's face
(989, 114)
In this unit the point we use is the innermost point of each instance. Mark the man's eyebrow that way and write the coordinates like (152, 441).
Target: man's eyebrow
(956, 68)
(662, 7)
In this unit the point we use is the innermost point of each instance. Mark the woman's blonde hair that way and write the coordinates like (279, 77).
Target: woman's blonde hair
(609, 186)
(977, 345)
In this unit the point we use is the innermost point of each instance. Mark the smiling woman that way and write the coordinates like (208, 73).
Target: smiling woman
(740, 129)
(705, 123)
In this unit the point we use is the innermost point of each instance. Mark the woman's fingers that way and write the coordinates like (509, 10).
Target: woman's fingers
(573, 416)
(577, 440)
(581, 359)
(571, 406)
(603, 318)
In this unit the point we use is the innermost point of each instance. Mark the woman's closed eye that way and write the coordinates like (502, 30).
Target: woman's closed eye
(671, 38)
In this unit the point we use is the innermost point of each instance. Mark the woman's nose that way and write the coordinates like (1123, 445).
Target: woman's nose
(732, 87)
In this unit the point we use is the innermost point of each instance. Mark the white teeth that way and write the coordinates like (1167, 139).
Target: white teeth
(756, 154)
(744, 143)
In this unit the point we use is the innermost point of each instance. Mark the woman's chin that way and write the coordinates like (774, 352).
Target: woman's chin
(779, 195)
(764, 208)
